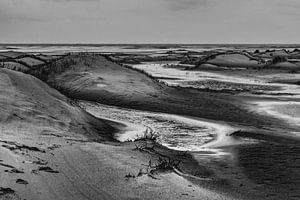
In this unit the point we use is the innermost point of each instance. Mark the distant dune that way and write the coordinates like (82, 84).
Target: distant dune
(237, 60)
(96, 79)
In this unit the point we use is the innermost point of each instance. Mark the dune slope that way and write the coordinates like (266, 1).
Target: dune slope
(47, 151)
(29, 106)
(94, 78)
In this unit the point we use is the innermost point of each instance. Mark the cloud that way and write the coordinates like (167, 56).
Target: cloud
(289, 8)
(58, 1)
(129, 21)
(49, 10)
(181, 5)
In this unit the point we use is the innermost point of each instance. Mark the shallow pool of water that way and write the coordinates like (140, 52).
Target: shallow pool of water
(279, 100)
(175, 132)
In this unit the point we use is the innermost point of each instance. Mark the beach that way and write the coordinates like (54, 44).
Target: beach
(85, 126)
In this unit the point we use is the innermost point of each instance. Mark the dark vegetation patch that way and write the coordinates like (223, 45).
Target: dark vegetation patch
(21, 181)
(162, 164)
(15, 146)
(138, 58)
(166, 78)
(167, 160)
(4, 191)
(14, 171)
(228, 86)
(11, 169)
(47, 169)
(7, 165)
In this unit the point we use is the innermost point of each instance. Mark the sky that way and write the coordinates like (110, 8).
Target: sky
(150, 21)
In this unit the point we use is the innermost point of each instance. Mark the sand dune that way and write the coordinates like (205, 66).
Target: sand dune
(15, 66)
(52, 149)
(35, 120)
(30, 61)
(121, 86)
(25, 97)
(286, 65)
(47, 151)
(12, 54)
(237, 60)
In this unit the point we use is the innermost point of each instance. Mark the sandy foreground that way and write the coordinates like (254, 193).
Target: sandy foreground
(52, 149)
(44, 155)
(95, 171)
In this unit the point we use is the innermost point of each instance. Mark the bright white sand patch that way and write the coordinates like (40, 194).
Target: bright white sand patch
(288, 111)
(131, 132)
(285, 103)
(285, 106)
(100, 85)
(157, 69)
(219, 130)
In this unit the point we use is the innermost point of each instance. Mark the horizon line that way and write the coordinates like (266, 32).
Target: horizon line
(47, 43)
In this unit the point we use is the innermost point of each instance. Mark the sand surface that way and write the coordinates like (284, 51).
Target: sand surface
(52, 149)
(125, 87)
(46, 155)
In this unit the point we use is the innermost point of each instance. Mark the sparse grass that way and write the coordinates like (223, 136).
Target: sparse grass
(145, 147)
(161, 165)
(135, 69)
(279, 59)
(164, 162)
(129, 175)
(149, 134)
(148, 141)
(143, 72)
